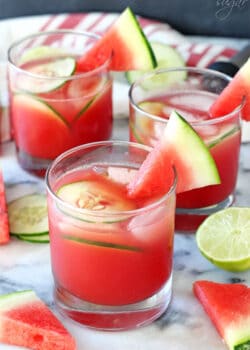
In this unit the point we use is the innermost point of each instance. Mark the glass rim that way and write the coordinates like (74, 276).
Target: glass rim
(90, 212)
(201, 71)
(33, 36)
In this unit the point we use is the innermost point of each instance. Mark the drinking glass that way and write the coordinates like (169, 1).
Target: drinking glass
(191, 92)
(56, 102)
(112, 269)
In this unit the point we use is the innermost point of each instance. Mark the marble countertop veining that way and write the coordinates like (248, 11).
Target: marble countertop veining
(184, 326)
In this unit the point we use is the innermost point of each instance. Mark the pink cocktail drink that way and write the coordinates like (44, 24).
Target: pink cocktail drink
(54, 104)
(111, 255)
(192, 98)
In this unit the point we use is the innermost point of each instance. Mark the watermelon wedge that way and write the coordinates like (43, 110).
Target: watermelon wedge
(4, 221)
(181, 147)
(26, 321)
(232, 95)
(228, 306)
(126, 45)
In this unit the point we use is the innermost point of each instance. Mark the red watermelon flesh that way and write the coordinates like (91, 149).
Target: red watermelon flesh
(232, 96)
(228, 306)
(155, 176)
(33, 122)
(26, 321)
(4, 221)
(124, 44)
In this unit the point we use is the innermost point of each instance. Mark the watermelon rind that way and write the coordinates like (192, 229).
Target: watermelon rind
(15, 299)
(132, 33)
(189, 149)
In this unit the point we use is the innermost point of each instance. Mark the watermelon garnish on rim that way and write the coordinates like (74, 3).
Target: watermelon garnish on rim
(124, 43)
(26, 321)
(4, 221)
(179, 147)
(228, 306)
(234, 94)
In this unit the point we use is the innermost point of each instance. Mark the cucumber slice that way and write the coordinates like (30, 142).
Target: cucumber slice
(46, 74)
(166, 57)
(97, 197)
(102, 244)
(39, 52)
(34, 239)
(224, 136)
(28, 215)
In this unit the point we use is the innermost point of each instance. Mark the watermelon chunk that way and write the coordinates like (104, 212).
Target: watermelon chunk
(26, 321)
(228, 306)
(33, 122)
(126, 45)
(181, 147)
(4, 221)
(232, 96)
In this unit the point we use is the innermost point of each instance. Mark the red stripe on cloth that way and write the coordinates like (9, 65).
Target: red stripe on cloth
(222, 53)
(48, 22)
(154, 29)
(97, 21)
(72, 20)
(194, 56)
(145, 21)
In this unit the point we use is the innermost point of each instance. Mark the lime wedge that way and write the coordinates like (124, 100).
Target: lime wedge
(224, 238)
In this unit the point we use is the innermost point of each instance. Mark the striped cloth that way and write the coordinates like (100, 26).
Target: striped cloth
(194, 54)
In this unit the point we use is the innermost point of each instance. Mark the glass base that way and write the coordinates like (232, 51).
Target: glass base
(33, 165)
(187, 220)
(113, 318)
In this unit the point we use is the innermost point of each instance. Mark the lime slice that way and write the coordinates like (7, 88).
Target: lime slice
(224, 239)
(166, 57)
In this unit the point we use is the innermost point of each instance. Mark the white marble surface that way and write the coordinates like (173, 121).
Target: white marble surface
(184, 326)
